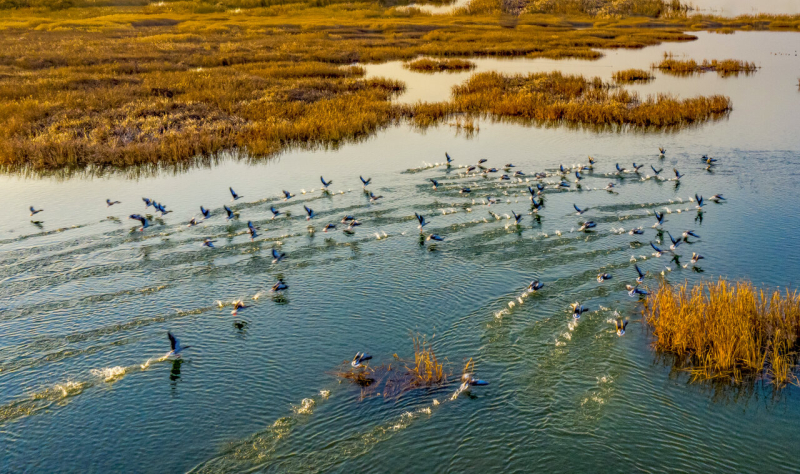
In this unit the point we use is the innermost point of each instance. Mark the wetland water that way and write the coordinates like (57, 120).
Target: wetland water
(85, 303)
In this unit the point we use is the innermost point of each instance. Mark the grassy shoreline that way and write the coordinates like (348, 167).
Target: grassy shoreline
(166, 83)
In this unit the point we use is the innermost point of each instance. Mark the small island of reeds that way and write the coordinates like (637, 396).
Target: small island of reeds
(725, 67)
(557, 97)
(728, 330)
(437, 65)
(629, 76)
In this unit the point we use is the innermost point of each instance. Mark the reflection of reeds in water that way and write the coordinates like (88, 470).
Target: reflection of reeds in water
(437, 65)
(726, 329)
(726, 67)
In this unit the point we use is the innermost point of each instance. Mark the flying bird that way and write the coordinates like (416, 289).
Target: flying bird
(447, 156)
(110, 203)
(373, 197)
(640, 278)
(35, 211)
(277, 256)
(421, 220)
(275, 212)
(325, 184)
(360, 359)
(206, 213)
(700, 202)
(235, 196)
(659, 252)
(287, 195)
(678, 174)
(435, 237)
(175, 345)
(690, 233)
(280, 286)
(365, 182)
(601, 277)
(142, 219)
(657, 172)
(696, 257)
(230, 212)
(675, 242)
(309, 212)
(621, 325)
(535, 285)
(517, 217)
(578, 309)
(469, 381)
(635, 290)
(580, 211)
(208, 243)
(435, 183)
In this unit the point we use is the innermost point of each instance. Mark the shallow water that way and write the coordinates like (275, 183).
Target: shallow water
(85, 301)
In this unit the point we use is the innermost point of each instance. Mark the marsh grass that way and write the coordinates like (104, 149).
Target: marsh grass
(393, 380)
(726, 67)
(630, 76)
(728, 330)
(109, 85)
(430, 65)
(556, 98)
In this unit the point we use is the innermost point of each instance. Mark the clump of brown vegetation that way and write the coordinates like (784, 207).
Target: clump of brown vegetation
(728, 330)
(556, 97)
(437, 65)
(391, 381)
(725, 67)
(629, 76)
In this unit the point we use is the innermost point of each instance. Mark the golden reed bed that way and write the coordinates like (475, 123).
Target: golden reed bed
(727, 329)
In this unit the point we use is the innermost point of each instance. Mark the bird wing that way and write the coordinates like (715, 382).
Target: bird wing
(655, 248)
(173, 342)
(639, 271)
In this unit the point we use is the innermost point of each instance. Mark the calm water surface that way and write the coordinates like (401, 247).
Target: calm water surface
(85, 301)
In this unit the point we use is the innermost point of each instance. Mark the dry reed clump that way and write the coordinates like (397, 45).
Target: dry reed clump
(437, 65)
(726, 329)
(629, 76)
(427, 370)
(391, 382)
(725, 67)
(555, 97)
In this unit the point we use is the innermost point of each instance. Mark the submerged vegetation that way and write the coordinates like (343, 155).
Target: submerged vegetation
(102, 84)
(437, 65)
(725, 67)
(629, 76)
(728, 330)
